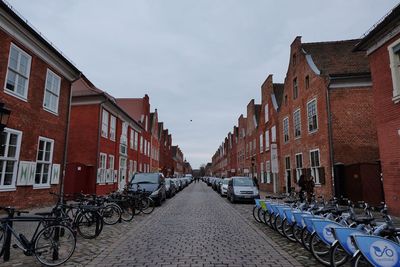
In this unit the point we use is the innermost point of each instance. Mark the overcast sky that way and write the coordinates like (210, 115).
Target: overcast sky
(199, 60)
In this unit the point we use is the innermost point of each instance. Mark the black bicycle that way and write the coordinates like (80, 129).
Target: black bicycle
(52, 243)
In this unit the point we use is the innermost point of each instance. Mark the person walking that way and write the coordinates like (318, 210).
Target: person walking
(302, 184)
(255, 180)
(310, 184)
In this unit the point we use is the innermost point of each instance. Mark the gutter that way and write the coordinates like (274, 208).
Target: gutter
(330, 134)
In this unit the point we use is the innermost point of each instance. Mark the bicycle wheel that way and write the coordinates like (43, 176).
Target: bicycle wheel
(2, 240)
(320, 250)
(255, 214)
(111, 213)
(287, 230)
(278, 225)
(360, 261)
(337, 255)
(149, 206)
(305, 238)
(260, 214)
(89, 224)
(128, 211)
(54, 245)
(296, 230)
(266, 217)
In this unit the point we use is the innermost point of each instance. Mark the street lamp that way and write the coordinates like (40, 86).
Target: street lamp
(4, 116)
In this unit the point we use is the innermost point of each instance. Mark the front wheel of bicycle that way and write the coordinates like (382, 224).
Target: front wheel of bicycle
(255, 214)
(54, 245)
(360, 261)
(111, 213)
(149, 206)
(89, 224)
(320, 250)
(287, 230)
(338, 256)
(128, 211)
(2, 240)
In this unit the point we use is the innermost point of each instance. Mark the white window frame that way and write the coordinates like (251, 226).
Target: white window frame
(316, 115)
(297, 123)
(295, 88)
(268, 171)
(23, 97)
(285, 130)
(261, 143)
(314, 169)
(141, 145)
(15, 159)
(136, 137)
(395, 70)
(266, 140)
(262, 172)
(273, 134)
(266, 113)
(105, 117)
(298, 169)
(111, 162)
(42, 161)
(103, 167)
(113, 127)
(48, 91)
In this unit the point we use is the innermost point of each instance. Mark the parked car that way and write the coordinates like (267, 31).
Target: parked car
(153, 183)
(170, 188)
(242, 189)
(224, 186)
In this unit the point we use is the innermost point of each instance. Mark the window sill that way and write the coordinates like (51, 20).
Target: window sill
(396, 99)
(11, 93)
(318, 185)
(297, 138)
(8, 189)
(47, 186)
(313, 131)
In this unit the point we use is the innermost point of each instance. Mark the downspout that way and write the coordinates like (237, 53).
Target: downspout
(330, 138)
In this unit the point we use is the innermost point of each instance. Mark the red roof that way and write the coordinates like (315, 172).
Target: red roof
(337, 58)
(132, 106)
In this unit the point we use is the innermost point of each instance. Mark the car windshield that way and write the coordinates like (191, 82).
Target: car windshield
(225, 181)
(145, 178)
(243, 182)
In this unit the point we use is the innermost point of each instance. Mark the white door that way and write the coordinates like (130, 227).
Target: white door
(122, 173)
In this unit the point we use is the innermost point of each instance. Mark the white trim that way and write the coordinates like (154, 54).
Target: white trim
(316, 114)
(383, 40)
(395, 70)
(54, 112)
(50, 162)
(294, 123)
(13, 93)
(312, 65)
(298, 170)
(313, 171)
(13, 187)
(288, 129)
(103, 123)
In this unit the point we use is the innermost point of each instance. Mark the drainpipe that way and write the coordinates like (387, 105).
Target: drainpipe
(330, 138)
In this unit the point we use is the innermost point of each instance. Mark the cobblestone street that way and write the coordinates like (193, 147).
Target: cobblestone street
(195, 228)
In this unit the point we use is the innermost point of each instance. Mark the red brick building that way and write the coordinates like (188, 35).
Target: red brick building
(177, 157)
(243, 169)
(139, 110)
(382, 45)
(104, 141)
(271, 98)
(252, 138)
(155, 144)
(166, 162)
(36, 80)
(326, 118)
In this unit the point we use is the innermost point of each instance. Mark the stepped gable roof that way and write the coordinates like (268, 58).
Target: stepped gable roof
(338, 58)
(278, 92)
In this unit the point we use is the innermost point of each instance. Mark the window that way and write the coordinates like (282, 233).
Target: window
(148, 149)
(266, 140)
(299, 165)
(102, 166)
(131, 138)
(394, 55)
(18, 70)
(10, 144)
(135, 144)
(273, 134)
(140, 167)
(297, 123)
(307, 82)
(315, 164)
(124, 139)
(312, 116)
(295, 89)
(261, 143)
(144, 147)
(266, 113)
(262, 172)
(104, 124)
(113, 125)
(43, 162)
(254, 146)
(134, 166)
(52, 92)
(141, 144)
(286, 130)
(268, 171)
(111, 162)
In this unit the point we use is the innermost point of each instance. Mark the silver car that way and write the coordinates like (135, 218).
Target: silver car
(224, 186)
(242, 189)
